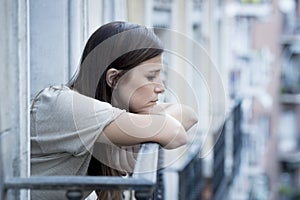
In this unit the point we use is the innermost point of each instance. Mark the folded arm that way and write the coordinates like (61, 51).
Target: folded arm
(131, 129)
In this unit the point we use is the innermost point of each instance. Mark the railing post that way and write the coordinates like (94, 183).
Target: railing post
(74, 194)
(159, 190)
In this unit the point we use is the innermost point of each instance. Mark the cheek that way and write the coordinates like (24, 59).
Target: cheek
(139, 101)
(142, 94)
(134, 97)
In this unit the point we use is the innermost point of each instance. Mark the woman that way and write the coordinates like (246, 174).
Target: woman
(111, 102)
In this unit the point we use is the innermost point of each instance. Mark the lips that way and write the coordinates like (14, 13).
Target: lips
(153, 102)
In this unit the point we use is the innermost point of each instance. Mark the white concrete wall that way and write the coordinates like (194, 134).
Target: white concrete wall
(14, 85)
(58, 30)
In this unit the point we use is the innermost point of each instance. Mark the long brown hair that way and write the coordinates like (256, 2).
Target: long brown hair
(118, 45)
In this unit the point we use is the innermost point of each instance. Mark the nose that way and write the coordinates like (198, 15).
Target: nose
(159, 87)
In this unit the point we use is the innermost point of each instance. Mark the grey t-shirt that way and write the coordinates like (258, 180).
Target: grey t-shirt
(64, 128)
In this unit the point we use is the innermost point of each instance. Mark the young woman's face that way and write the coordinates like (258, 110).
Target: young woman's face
(137, 90)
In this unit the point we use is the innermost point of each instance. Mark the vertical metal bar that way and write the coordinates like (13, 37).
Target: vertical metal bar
(1, 172)
(159, 191)
(24, 92)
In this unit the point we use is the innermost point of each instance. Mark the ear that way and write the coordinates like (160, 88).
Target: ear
(111, 76)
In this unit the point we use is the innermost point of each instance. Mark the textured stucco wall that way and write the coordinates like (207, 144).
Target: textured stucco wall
(14, 154)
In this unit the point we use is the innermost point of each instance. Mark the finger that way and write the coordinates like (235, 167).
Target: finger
(114, 158)
(136, 149)
(123, 160)
(130, 158)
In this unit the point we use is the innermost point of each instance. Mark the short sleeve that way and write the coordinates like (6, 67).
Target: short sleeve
(67, 121)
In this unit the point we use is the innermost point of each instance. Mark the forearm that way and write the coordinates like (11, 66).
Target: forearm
(131, 129)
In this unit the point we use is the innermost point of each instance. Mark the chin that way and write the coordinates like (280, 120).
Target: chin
(143, 110)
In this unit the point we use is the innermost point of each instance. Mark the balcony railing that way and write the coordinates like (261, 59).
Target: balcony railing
(219, 178)
(231, 129)
(189, 182)
(143, 181)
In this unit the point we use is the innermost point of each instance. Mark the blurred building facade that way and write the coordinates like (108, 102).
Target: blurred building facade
(252, 45)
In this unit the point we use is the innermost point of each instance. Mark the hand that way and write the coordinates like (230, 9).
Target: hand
(122, 159)
(127, 158)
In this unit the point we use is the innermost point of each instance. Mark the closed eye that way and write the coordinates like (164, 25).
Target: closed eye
(151, 78)
(152, 75)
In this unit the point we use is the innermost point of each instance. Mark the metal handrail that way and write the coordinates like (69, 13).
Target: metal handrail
(77, 182)
(143, 179)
